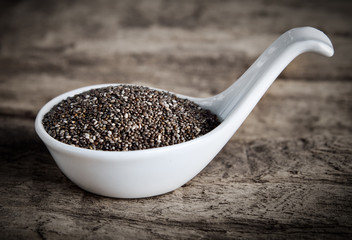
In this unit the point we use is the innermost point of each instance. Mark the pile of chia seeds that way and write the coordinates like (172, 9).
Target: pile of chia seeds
(124, 118)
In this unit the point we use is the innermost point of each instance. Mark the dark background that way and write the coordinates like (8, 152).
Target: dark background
(287, 172)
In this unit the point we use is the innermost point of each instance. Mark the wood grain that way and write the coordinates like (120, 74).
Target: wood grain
(286, 173)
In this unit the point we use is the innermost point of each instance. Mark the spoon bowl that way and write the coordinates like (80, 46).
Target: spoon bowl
(150, 172)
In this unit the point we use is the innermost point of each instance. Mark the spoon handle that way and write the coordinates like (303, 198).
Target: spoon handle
(239, 99)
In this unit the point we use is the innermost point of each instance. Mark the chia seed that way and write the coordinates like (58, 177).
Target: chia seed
(125, 118)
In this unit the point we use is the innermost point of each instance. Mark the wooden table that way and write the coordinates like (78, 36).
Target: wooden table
(286, 173)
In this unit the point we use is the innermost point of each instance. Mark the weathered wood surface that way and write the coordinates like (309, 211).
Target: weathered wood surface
(287, 172)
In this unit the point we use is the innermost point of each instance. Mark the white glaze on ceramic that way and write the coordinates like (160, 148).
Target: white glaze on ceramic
(144, 173)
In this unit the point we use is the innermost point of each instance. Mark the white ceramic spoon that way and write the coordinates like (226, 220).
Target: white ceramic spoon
(144, 173)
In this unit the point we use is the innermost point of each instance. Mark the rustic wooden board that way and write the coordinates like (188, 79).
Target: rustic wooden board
(286, 173)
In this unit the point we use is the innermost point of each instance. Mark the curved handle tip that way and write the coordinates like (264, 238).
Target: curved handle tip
(320, 43)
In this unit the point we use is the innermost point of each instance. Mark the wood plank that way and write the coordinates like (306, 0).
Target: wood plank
(253, 188)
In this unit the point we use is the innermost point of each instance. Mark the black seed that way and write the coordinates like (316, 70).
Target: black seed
(126, 118)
